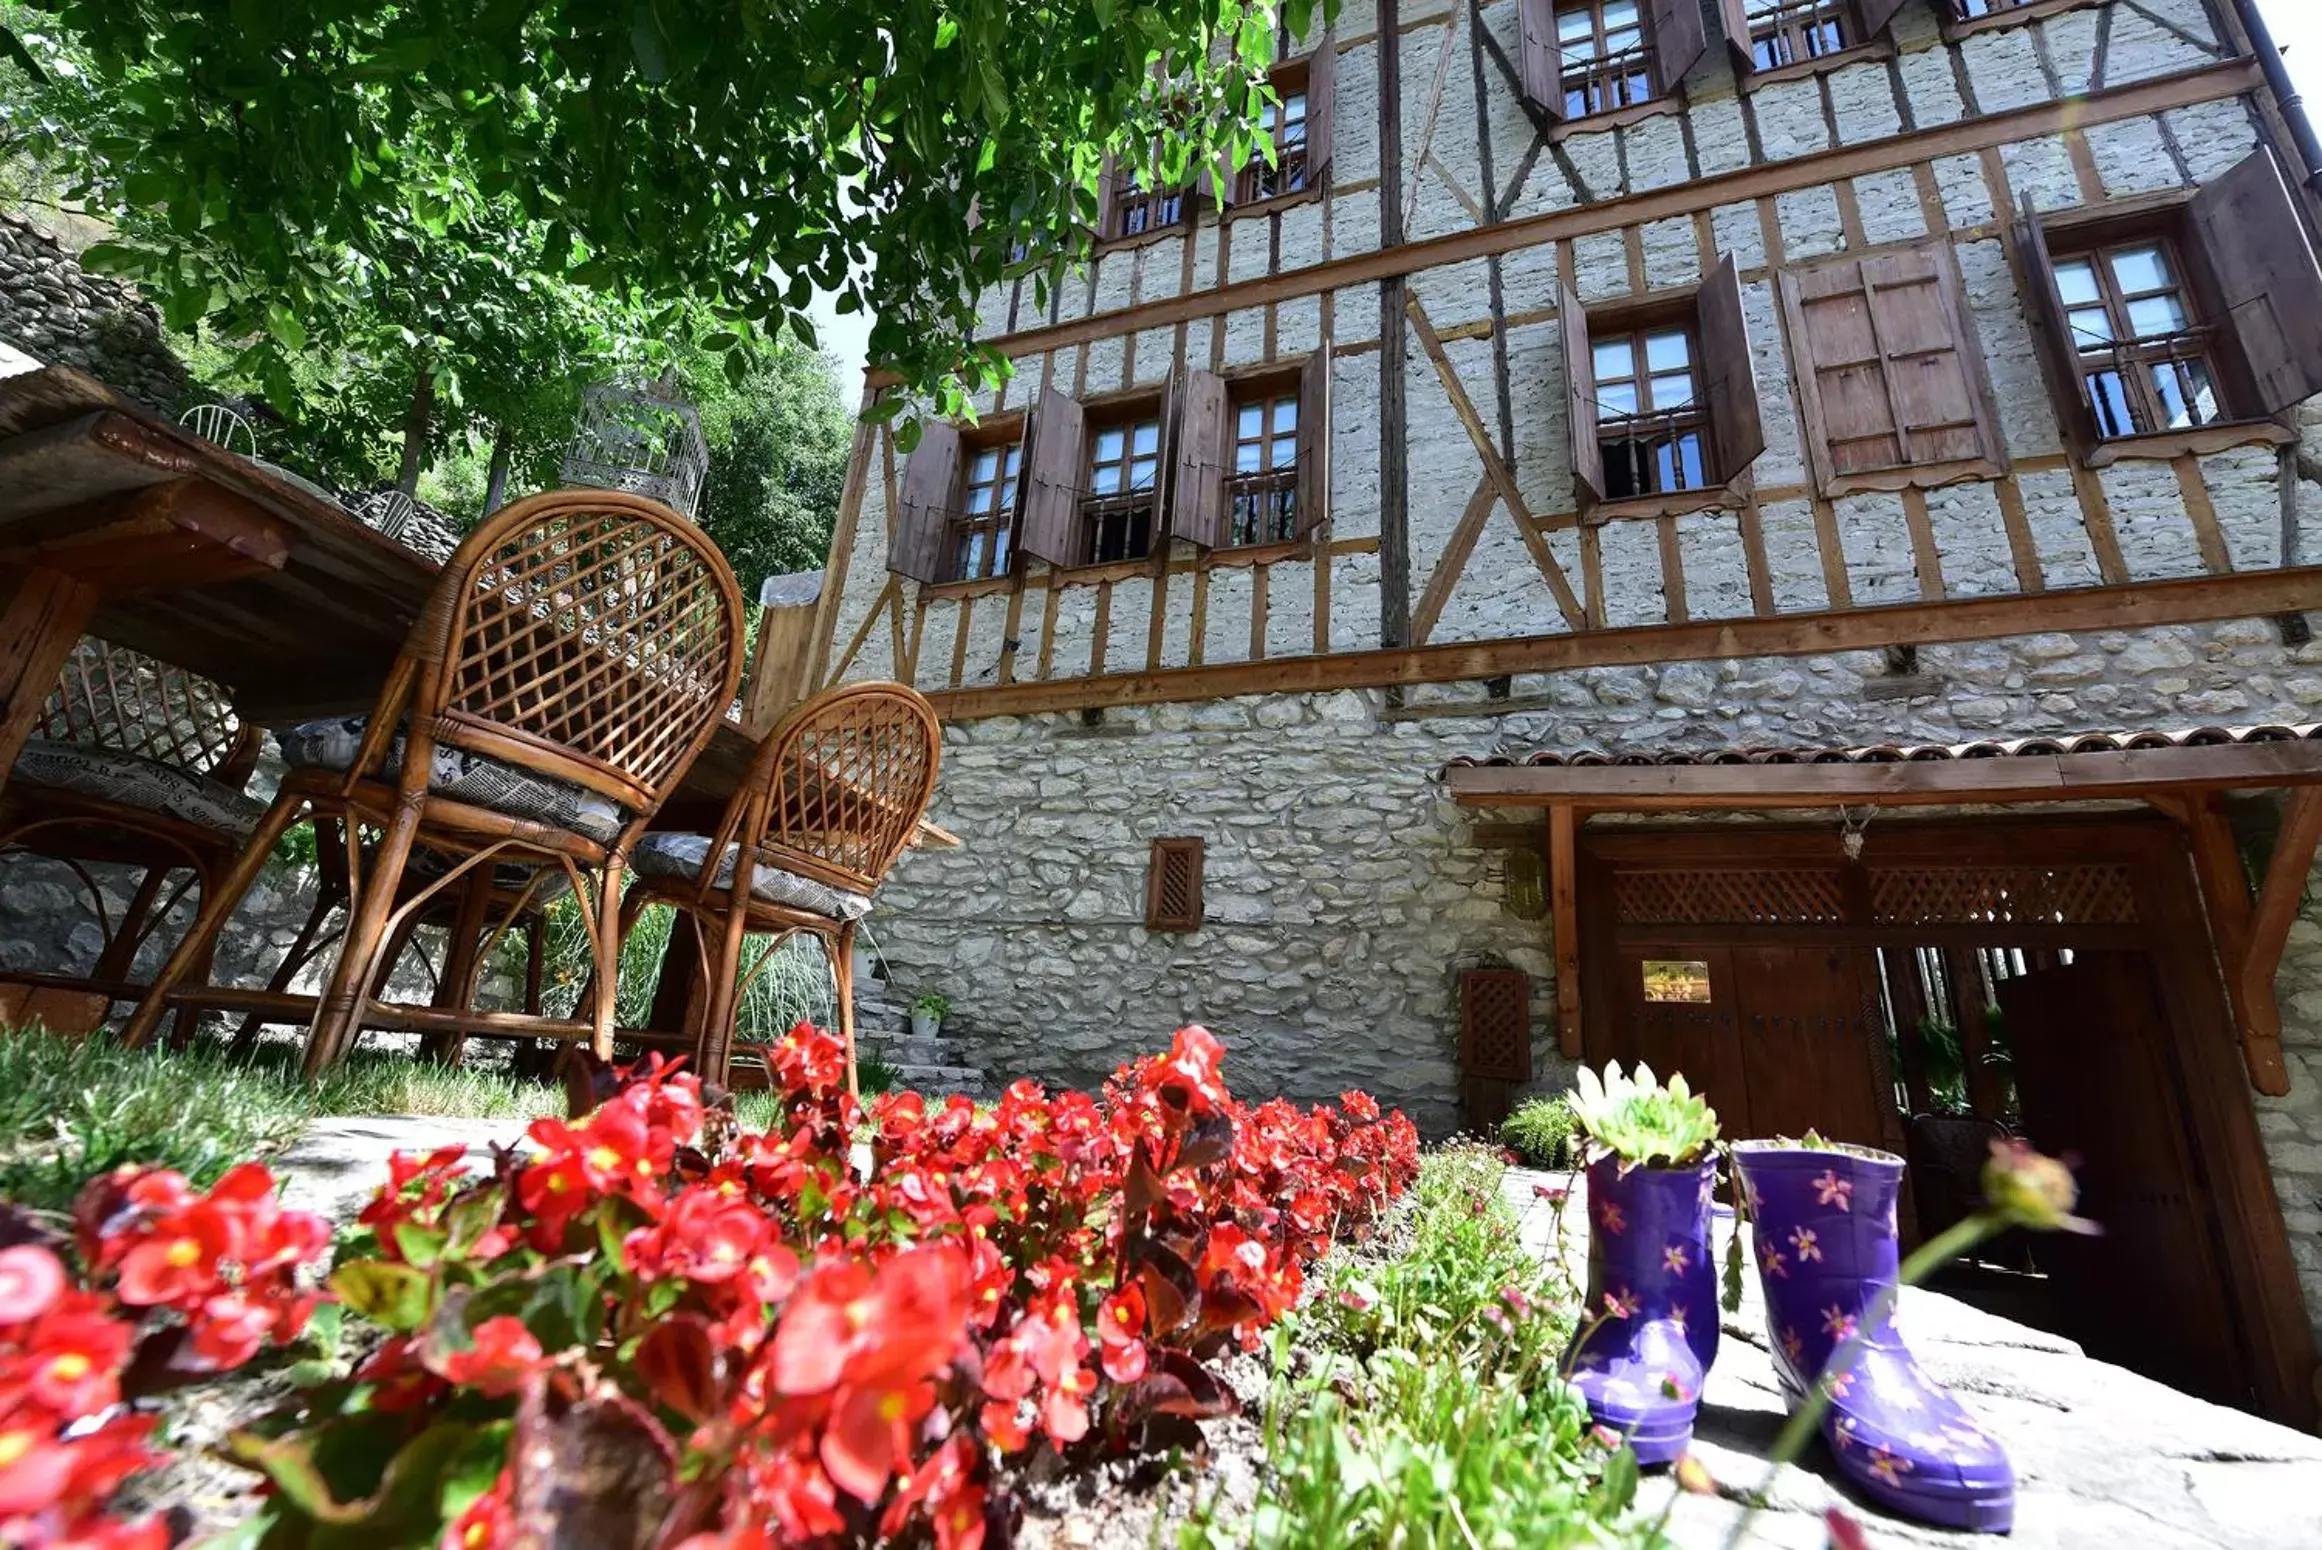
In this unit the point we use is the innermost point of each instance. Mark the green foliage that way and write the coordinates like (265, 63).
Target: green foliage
(71, 1109)
(309, 158)
(778, 444)
(930, 1003)
(1639, 1120)
(1435, 1417)
(1540, 1132)
(795, 984)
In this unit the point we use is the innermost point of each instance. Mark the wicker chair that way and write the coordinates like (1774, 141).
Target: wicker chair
(136, 762)
(833, 796)
(574, 658)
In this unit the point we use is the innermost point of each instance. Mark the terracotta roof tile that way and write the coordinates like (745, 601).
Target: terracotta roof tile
(1898, 753)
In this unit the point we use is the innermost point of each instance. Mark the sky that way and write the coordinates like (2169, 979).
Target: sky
(2297, 26)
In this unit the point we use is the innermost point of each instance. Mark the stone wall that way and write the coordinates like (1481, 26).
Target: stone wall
(54, 310)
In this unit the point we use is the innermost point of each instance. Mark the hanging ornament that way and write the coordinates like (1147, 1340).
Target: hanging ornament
(1850, 832)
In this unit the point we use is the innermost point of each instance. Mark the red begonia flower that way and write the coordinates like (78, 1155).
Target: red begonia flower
(505, 1353)
(31, 1279)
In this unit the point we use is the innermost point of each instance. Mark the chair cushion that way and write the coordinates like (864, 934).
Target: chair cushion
(473, 778)
(682, 855)
(140, 783)
(424, 866)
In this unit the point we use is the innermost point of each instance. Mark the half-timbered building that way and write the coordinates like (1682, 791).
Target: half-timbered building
(1766, 536)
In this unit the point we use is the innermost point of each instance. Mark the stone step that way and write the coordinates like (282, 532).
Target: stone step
(907, 1051)
(942, 1081)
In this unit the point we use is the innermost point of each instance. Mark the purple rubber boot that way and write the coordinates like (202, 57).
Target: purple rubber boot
(1827, 1257)
(1649, 1331)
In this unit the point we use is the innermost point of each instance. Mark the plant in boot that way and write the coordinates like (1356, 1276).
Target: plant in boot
(1651, 1317)
(1639, 1120)
(1824, 1215)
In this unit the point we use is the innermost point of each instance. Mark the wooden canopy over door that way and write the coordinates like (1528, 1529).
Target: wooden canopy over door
(1794, 925)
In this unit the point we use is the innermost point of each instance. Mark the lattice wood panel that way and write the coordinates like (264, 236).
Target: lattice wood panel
(113, 698)
(1173, 899)
(2099, 894)
(1798, 896)
(1495, 1025)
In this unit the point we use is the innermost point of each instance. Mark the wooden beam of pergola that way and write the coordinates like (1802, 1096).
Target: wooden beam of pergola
(2117, 775)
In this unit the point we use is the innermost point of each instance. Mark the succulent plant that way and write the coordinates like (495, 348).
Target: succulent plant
(1640, 1120)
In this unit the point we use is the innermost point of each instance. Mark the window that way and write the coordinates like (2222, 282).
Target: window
(1285, 125)
(1135, 210)
(1662, 402)
(1976, 10)
(1891, 379)
(1262, 489)
(1173, 899)
(981, 527)
(1297, 123)
(1607, 60)
(1783, 32)
(1676, 982)
(1650, 422)
(1123, 490)
(2143, 360)
(2179, 323)
(1593, 59)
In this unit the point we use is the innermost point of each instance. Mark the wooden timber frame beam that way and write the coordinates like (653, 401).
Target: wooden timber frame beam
(2251, 934)
(1564, 916)
(2188, 600)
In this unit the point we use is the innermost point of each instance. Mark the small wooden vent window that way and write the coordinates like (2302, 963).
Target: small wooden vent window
(2172, 325)
(1495, 1025)
(1792, 36)
(1173, 886)
(1585, 59)
(1891, 377)
(1663, 404)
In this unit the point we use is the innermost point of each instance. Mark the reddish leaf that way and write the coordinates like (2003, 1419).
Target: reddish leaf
(1204, 1396)
(1210, 1141)
(1141, 1188)
(680, 1366)
(596, 1473)
(1172, 1291)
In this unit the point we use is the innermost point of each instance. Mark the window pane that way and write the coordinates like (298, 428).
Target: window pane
(1679, 982)
(1620, 13)
(1142, 473)
(1285, 451)
(1286, 414)
(1008, 491)
(1294, 107)
(2187, 396)
(979, 499)
(2110, 396)
(1615, 360)
(2091, 326)
(1251, 421)
(1000, 551)
(2076, 279)
(987, 464)
(2152, 317)
(1108, 446)
(1667, 352)
(1673, 392)
(1249, 457)
(1148, 437)
(1617, 399)
(2142, 269)
(1574, 24)
(1107, 480)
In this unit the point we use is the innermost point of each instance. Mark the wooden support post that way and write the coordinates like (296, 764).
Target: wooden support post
(42, 615)
(2277, 904)
(2257, 1019)
(1564, 915)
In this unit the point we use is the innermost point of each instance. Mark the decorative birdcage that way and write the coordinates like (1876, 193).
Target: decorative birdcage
(641, 439)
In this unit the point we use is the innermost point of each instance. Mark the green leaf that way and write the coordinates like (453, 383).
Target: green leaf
(1618, 1486)
(420, 1246)
(112, 258)
(649, 46)
(397, 1296)
(285, 326)
(470, 1216)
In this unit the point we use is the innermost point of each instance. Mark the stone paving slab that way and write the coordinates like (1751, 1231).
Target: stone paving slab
(339, 1163)
(2105, 1459)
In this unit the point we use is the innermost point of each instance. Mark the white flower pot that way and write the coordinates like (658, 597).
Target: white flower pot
(925, 1027)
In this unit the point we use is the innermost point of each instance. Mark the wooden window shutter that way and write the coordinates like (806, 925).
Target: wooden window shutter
(1173, 886)
(1873, 17)
(1731, 389)
(1889, 373)
(1679, 41)
(1314, 443)
(2266, 278)
(1495, 1024)
(1737, 35)
(1321, 93)
(1543, 63)
(2055, 333)
(1050, 495)
(1580, 399)
(930, 484)
(1197, 499)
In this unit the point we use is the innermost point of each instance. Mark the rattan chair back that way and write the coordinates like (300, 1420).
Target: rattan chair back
(123, 701)
(837, 790)
(586, 635)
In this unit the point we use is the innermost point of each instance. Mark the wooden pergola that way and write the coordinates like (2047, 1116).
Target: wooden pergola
(2185, 775)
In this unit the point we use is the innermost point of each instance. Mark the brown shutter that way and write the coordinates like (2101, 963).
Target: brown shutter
(1543, 61)
(1314, 442)
(1050, 495)
(1321, 90)
(1872, 17)
(1580, 400)
(930, 484)
(2266, 278)
(1888, 372)
(2055, 333)
(1679, 41)
(1732, 390)
(1197, 503)
(1737, 35)
(1495, 1025)
(1108, 199)
(1173, 899)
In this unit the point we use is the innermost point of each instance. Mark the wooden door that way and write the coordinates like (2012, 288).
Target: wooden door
(2098, 1074)
(1809, 1015)
(1679, 1014)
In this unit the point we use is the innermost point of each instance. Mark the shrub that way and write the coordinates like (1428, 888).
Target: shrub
(733, 1335)
(1540, 1132)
